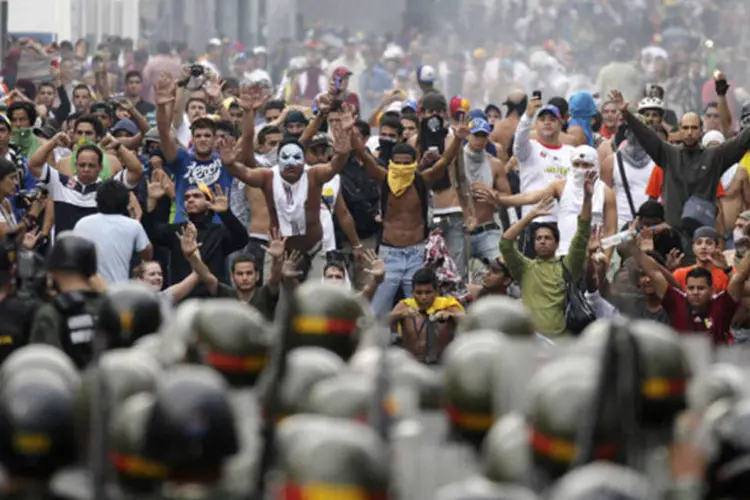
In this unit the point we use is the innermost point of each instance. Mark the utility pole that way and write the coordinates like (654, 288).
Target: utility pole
(3, 29)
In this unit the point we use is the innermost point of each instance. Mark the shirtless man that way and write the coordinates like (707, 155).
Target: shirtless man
(502, 133)
(291, 189)
(569, 193)
(404, 211)
(487, 178)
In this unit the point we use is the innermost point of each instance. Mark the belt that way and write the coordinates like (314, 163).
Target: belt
(487, 226)
(446, 217)
(314, 250)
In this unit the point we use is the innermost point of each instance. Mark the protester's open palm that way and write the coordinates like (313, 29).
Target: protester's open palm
(220, 202)
(188, 237)
(589, 182)
(165, 89)
(276, 246)
(616, 97)
(544, 207)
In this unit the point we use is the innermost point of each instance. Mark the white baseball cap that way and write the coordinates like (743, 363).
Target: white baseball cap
(586, 154)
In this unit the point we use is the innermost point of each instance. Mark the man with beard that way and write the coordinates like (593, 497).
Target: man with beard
(292, 189)
(627, 172)
(690, 171)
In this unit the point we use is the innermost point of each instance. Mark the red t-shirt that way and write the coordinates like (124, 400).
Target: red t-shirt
(715, 323)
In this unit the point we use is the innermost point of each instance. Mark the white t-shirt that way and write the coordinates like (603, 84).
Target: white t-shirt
(329, 195)
(116, 238)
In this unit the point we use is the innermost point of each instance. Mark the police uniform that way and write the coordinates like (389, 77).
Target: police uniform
(69, 321)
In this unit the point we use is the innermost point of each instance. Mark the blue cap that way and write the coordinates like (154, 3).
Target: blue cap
(410, 104)
(477, 113)
(426, 74)
(549, 108)
(479, 126)
(127, 125)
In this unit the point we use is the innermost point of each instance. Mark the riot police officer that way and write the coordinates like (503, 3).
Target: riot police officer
(69, 321)
(128, 312)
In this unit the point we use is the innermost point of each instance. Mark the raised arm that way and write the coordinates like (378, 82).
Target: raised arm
(530, 198)
(253, 177)
(371, 165)
(252, 98)
(39, 158)
(166, 90)
(435, 172)
(522, 137)
(736, 287)
(341, 131)
(658, 150)
(650, 267)
(575, 260)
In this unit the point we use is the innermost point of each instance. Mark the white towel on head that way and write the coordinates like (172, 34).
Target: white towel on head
(289, 200)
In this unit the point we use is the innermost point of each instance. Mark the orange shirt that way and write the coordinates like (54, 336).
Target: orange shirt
(653, 188)
(718, 276)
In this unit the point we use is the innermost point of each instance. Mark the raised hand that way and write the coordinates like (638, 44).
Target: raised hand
(227, 153)
(108, 142)
(155, 187)
(276, 247)
(376, 266)
(253, 96)
(165, 89)
(589, 182)
(188, 237)
(674, 259)
(616, 97)
(342, 137)
(213, 89)
(544, 207)
(462, 129)
(290, 267)
(31, 239)
(220, 202)
(63, 140)
(533, 106)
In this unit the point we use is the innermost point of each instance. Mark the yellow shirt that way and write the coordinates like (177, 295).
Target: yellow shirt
(439, 304)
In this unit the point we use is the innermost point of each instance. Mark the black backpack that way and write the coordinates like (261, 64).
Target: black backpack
(362, 197)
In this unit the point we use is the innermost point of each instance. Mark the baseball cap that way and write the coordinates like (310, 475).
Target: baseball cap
(549, 108)
(459, 103)
(341, 72)
(477, 113)
(479, 126)
(410, 104)
(426, 74)
(319, 139)
(127, 125)
(586, 154)
(394, 107)
(203, 189)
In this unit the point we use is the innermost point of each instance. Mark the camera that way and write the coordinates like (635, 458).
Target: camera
(26, 197)
(197, 70)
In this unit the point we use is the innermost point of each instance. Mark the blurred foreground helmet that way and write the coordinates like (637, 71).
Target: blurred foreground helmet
(233, 340)
(126, 373)
(135, 474)
(498, 313)
(306, 366)
(37, 423)
(479, 488)
(506, 457)
(330, 458)
(404, 371)
(469, 364)
(327, 316)
(43, 357)
(603, 481)
(179, 340)
(560, 395)
(720, 381)
(728, 469)
(661, 367)
(73, 254)
(192, 427)
(129, 311)
(347, 395)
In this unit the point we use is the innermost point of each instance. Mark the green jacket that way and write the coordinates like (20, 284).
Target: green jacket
(542, 282)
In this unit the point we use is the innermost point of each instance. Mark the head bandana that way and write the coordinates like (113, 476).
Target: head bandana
(585, 154)
(582, 109)
(291, 155)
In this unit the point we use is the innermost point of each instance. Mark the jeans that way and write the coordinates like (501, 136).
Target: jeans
(452, 226)
(400, 266)
(486, 245)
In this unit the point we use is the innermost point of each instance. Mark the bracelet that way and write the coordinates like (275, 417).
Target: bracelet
(358, 247)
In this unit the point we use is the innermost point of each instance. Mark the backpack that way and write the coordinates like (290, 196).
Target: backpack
(361, 195)
(422, 191)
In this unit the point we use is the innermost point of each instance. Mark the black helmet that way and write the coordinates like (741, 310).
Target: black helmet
(322, 456)
(73, 253)
(179, 339)
(191, 427)
(306, 366)
(135, 473)
(233, 340)
(128, 312)
(327, 316)
(479, 488)
(469, 362)
(37, 423)
(496, 312)
(41, 356)
(604, 481)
